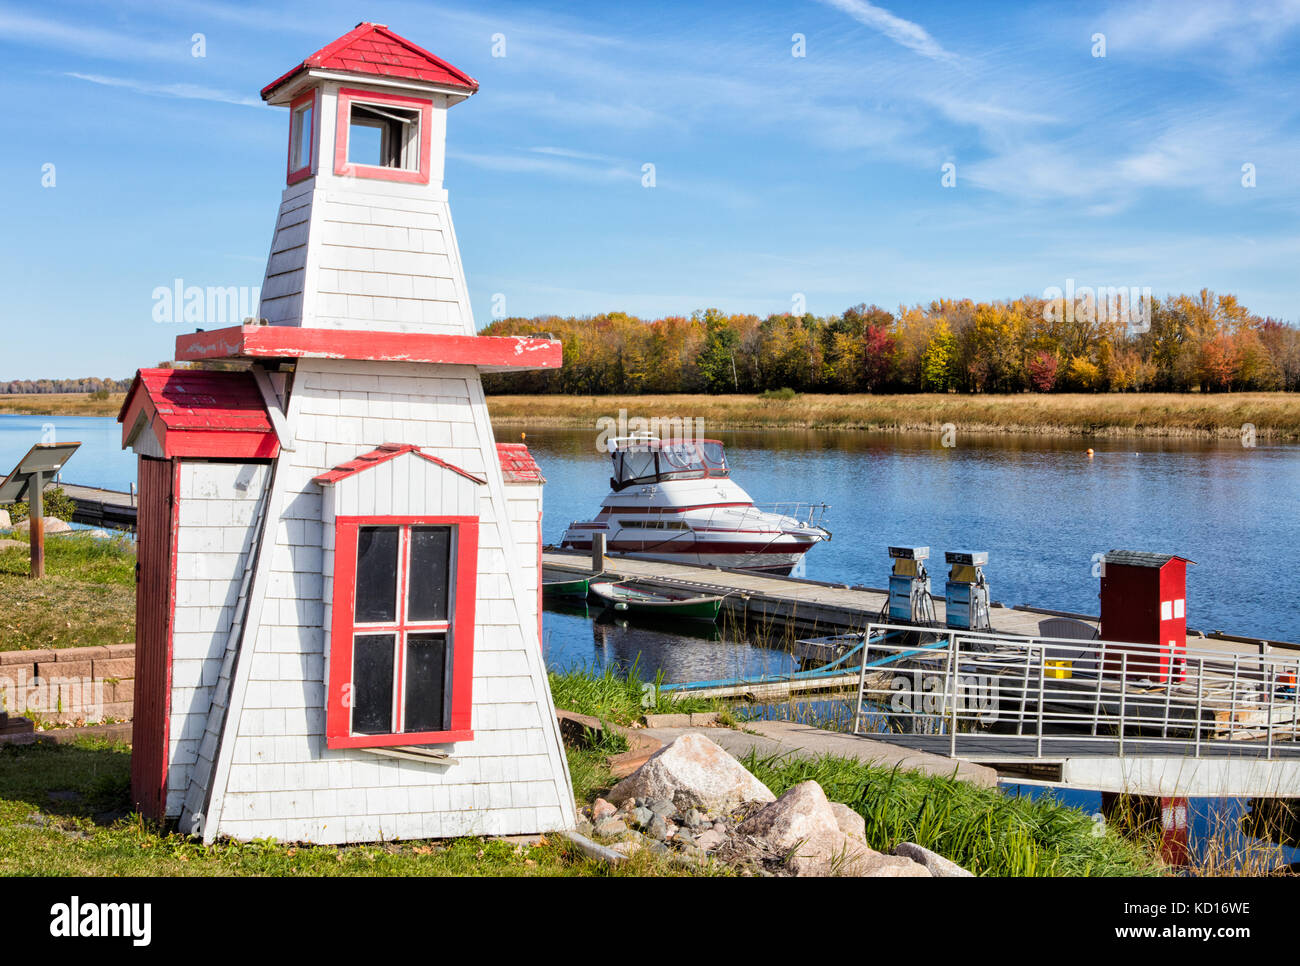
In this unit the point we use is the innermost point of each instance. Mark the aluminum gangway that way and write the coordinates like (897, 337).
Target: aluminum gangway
(1104, 715)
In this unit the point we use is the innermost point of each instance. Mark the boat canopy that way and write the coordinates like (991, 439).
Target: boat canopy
(645, 459)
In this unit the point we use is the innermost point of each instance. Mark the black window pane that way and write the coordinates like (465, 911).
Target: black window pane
(429, 580)
(372, 684)
(376, 574)
(426, 682)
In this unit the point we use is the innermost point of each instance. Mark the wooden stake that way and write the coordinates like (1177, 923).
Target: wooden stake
(36, 524)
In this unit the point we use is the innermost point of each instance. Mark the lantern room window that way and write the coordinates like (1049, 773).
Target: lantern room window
(401, 645)
(384, 136)
(302, 135)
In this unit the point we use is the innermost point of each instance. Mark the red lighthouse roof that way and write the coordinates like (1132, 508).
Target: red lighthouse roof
(371, 48)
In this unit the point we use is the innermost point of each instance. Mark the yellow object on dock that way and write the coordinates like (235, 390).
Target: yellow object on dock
(1058, 669)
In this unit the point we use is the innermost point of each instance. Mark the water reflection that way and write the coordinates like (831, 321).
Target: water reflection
(578, 636)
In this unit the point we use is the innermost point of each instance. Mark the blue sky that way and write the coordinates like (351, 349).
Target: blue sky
(775, 174)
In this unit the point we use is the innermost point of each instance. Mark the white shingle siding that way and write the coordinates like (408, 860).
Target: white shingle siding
(216, 504)
(356, 253)
(274, 775)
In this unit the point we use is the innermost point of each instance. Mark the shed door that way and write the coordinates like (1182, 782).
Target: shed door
(154, 591)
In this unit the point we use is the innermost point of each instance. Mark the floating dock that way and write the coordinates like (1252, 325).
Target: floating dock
(810, 608)
(99, 507)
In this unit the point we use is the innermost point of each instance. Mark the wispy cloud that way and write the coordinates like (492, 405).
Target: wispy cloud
(21, 28)
(192, 92)
(554, 167)
(1235, 27)
(576, 155)
(906, 33)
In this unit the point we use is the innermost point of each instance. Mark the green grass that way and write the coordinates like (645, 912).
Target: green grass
(86, 598)
(978, 828)
(87, 834)
(619, 695)
(589, 765)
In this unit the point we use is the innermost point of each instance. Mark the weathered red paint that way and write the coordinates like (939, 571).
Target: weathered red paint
(199, 413)
(371, 48)
(382, 454)
(342, 130)
(294, 342)
(338, 724)
(155, 596)
(518, 465)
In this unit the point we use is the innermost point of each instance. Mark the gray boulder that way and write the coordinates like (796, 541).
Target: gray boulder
(937, 865)
(52, 525)
(803, 826)
(693, 772)
(849, 821)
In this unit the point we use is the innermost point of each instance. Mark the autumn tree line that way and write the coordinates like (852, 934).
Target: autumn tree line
(88, 385)
(1185, 343)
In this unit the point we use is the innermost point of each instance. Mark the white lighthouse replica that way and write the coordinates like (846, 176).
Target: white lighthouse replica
(338, 612)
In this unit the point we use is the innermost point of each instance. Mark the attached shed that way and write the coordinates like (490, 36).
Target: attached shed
(205, 445)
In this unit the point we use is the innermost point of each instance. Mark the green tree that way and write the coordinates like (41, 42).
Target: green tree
(939, 364)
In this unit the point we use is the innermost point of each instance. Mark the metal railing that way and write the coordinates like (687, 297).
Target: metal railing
(1022, 692)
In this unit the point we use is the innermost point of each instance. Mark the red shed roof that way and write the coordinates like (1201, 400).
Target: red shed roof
(382, 454)
(371, 48)
(196, 412)
(518, 465)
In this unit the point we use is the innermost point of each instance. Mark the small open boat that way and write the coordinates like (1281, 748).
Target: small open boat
(560, 583)
(633, 599)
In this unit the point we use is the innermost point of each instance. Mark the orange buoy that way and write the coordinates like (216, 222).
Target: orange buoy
(1090, 454)
(523, 436)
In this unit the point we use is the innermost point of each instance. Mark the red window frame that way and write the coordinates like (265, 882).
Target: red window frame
(459, 628)
(343, 124)
(294, 175)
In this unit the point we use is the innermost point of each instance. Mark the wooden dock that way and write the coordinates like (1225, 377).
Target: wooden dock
(792, 606)
(98, 507)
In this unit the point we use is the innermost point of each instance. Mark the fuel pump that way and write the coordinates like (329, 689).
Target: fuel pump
(967, 592)
(909, 587)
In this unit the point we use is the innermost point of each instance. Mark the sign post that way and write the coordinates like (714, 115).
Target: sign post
(36, 523)
(28, 480)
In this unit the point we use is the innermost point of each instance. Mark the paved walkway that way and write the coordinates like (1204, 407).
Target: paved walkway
(803, 741)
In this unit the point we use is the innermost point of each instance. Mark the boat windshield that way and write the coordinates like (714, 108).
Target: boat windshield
(649, 460)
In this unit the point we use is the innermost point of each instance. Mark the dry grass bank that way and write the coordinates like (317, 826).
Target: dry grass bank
(1275, 416)
(60, 404)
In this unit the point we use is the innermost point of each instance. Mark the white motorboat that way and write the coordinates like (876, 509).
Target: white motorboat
(674, 500)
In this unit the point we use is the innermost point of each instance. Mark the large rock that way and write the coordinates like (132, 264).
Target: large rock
(693, 772)
(799, 815)
(5, 522)
(849, 821)
(52, 525)
(880, 866)
(937, 865)
(809, 831)
(802, 826)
